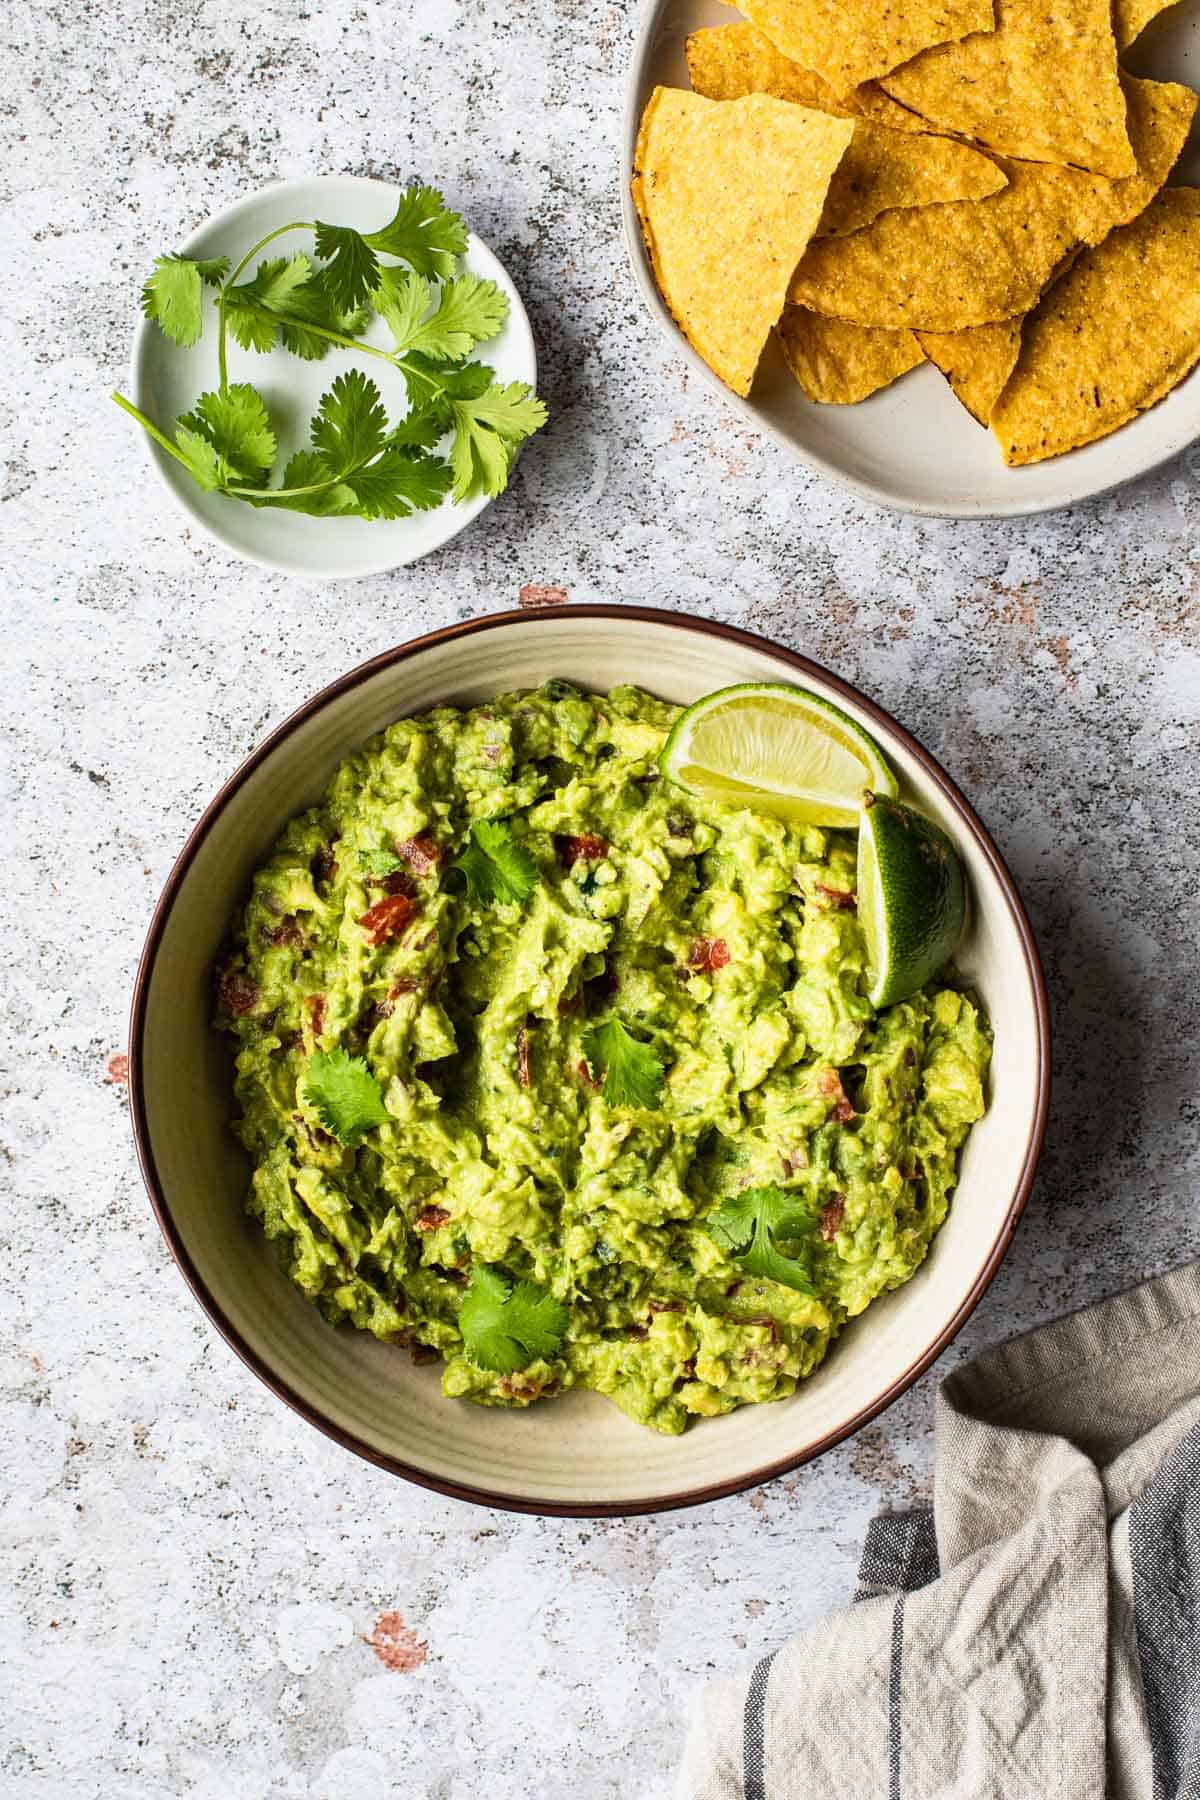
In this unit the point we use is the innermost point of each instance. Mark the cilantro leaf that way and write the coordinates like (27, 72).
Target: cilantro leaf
(748, 1226)
(401, 299)
(399, 483)
(314, 304)
(237, 426)
(506, 1325)
(308, 487)
(488, 430)
(420, 428)
(498, 870)
(424, 233)
(356, 465)
(632, 1073)
(468, 309)
(351, 266)
(344, 1094)
(379, 862)
(351, 425)
(204, 462)
(173, 295)
(282, 301)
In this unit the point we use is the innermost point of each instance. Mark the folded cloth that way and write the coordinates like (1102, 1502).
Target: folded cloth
(1035, 1634)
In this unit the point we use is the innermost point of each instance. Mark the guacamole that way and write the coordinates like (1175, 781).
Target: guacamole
(623, 1064)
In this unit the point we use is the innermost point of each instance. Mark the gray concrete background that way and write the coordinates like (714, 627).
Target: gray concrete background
(191, 1572)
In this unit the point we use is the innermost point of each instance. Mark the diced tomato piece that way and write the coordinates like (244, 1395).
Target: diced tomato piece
(581, 849)
(830, 1085)
(387, 918)
(422, 853)
(235, 990)
(432, 1218)
(837, 898)
(831, 1217)
(707, 954)
(286, 932)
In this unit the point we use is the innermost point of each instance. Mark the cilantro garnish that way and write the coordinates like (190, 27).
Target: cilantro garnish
(174, 294)
(748, 1226)
(467, 311)
(488, 430)
(424, 233)
(632, 1073)
(497, 869)
(344, 1094)
(357, 464)
(506, 1325)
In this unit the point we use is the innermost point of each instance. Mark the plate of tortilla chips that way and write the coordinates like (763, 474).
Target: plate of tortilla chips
(949, 254)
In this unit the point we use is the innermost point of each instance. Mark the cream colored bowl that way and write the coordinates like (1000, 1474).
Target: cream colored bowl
(577, 1454)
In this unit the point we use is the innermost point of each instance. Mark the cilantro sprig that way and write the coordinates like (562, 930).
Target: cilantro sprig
(633, 1075)
(506, 1325)
(496, 869)
(344, 1094)
(750, 1226)
(463, 428)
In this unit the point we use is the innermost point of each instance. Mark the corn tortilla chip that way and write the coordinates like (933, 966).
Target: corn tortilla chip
(976, 363)
(943, 268)
(880, 170)
(1043, 86)
(729, 194)
(727, 61)
(1131, 17)
(1113, 337)
(839, 364)
(850, 41)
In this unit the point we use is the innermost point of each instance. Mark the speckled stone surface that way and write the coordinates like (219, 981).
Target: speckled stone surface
(204, 1598)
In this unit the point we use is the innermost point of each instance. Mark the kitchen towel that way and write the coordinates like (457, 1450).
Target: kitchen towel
(1035, 1633)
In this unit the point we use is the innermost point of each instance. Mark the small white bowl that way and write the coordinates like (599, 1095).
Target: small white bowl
(578, 1454)
(167, 380)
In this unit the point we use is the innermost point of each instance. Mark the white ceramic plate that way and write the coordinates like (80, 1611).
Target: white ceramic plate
(912, 446)
(577, 1454)
(167, 379)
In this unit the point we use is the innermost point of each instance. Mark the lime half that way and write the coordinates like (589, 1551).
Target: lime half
(776, 749)
(912, 898)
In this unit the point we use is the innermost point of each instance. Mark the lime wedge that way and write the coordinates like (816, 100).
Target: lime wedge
(912, 898)
(776, 749)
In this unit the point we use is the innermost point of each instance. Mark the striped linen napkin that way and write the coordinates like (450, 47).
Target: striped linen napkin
(1035, 1634)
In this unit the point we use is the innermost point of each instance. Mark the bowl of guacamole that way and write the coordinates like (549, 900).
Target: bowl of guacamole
(522, 1118)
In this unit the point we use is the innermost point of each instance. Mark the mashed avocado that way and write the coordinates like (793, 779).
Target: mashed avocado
(727, 945)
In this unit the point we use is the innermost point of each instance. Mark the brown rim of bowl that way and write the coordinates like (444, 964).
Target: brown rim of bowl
(719, 1490)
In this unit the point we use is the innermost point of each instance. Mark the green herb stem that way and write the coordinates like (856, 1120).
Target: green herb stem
(149, 426)
(280, 231)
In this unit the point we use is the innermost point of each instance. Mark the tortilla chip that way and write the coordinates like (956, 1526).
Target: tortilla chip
(839, 364)
(886, 170)
(976, 363)
(729, 194)
(850, 41)
(870, 102)
(1110, 339)
(1043, 86)
(944, 268)
(880, 170)
(1131, 17)
(727, 61)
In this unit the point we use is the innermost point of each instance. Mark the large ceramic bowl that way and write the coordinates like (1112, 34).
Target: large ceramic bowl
(577, 1454)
